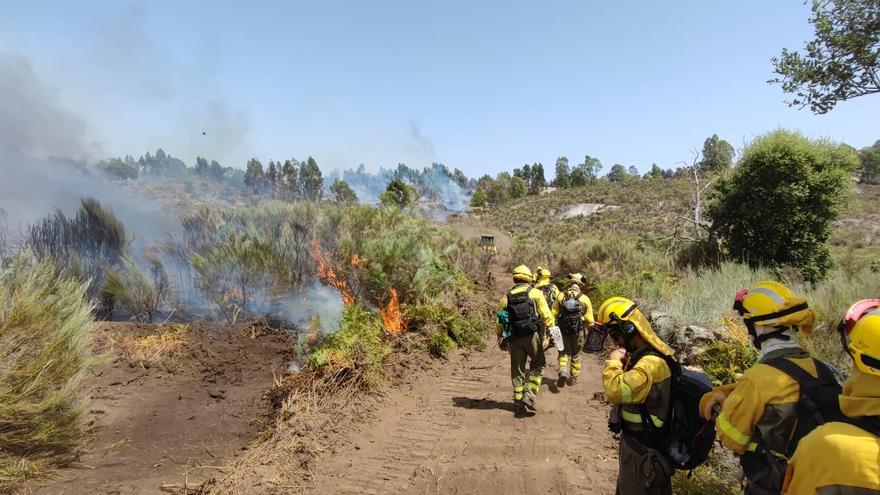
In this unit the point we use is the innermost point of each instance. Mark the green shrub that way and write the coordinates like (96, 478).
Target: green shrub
(439, 343)
(357, 351)
(724, 361)
(139, 294)
(777, 207)
(435, 319)
(45, 335)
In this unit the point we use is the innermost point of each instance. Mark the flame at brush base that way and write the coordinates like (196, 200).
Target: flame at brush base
(391, 315)
(329, 276)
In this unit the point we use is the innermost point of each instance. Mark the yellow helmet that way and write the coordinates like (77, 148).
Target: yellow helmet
(522, 274)
(860, 333)
(622, 315)
(542, 273)
(771, 304)
(577, 278)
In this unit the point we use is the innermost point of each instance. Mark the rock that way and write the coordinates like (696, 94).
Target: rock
(692, 354)
(693, 333)
(585, 210)
(663, 325)
(720, 334)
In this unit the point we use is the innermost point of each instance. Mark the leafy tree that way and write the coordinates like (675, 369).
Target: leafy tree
(717, 155)
(459, 178)
(254, 176)
(399, 194)
(537, 180)
(633, 171)
(869, 159)
(842, 62)
(563, 173)
(290, 176)
(343, 192)
(777, 207)
(518, 187)
(217, 171)
(500, 191)
(202, 168)
(655, 173)
(617, 173)
(480, 198)
(117, 169)
(311, 180)
(272, 177)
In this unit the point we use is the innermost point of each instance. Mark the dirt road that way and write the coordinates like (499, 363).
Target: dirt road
(453, 430)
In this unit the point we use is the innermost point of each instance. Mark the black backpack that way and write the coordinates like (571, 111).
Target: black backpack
(818, 402)
(686, 438)
(521, 314)
(570, 315)
(547, 289)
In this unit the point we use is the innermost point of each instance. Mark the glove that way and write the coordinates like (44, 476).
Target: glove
(712, 401)
(504, 345)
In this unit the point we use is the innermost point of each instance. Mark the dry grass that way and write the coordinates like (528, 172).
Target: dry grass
(165, 344)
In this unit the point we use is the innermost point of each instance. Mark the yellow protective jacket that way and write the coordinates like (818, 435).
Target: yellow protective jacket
(585, 303)
(545, 316)
(761, 410)
(646, 380)
(840, 458)
(545, 285)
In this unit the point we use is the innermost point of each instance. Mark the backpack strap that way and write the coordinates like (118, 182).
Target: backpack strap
(806, 381)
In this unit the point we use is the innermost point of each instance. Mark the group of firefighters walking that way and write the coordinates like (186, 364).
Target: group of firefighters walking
(793, 427)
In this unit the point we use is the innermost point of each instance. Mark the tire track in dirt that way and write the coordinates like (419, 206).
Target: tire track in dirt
(454, 432)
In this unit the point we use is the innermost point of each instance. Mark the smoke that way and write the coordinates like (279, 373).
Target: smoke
(315, 308)
(43, 150)
(32, 120)
(415, 130)
(435, 184)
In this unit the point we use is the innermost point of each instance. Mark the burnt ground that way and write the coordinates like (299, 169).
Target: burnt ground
(159, 425)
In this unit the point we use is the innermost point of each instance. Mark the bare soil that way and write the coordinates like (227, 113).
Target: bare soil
(454, 431)
(171, 423)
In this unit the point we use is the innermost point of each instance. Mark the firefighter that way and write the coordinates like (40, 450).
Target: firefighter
(521, 312)
(638, 380)
(574, 314)
(758, 414)
(550, 291)
(843, 457)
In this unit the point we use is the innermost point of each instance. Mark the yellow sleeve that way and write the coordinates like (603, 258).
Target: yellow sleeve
(501, 304)
(588, 310)
(741, 412)
(556, 302)
(633, 386)
(544, 313)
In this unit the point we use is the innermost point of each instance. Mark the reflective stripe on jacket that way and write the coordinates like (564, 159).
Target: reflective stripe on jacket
(762, 407)
(647, 382)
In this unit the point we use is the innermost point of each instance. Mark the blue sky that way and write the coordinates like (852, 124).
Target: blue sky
(483, 86)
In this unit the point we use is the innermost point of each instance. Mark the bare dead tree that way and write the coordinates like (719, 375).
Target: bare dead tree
(702, 229)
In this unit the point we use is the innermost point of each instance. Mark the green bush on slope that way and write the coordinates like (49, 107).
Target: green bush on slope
(45, 331)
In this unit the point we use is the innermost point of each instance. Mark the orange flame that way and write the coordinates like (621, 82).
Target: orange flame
(391, 315)
(329, 276)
